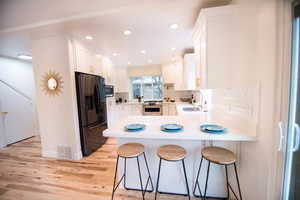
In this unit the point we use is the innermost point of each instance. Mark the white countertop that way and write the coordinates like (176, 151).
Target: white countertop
(191, 129)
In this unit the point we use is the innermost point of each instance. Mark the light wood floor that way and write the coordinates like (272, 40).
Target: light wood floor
(25, 175)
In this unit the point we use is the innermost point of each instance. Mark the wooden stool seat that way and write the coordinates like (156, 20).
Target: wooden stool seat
(219, 155)
(130, 150)
(171, 152)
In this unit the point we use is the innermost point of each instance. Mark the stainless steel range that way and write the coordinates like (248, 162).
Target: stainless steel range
(152, 108)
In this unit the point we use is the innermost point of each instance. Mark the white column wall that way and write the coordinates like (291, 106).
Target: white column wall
(57, 114)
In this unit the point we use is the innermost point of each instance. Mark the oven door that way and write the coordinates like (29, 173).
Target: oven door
(152, 110)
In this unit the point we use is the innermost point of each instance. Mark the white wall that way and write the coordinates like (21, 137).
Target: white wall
(256, 164)
(17, 97)
(57, 114)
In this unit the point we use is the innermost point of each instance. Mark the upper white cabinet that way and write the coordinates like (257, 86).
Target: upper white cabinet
(224, 41)
(172, 73)
(86, 61)
(189, 72)
(108, 71)
(121, 80)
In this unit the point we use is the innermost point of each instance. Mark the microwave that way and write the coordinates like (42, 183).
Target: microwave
(109, 90)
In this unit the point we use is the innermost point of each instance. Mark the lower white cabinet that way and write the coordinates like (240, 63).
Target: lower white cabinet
(169, 109)
(117, 112)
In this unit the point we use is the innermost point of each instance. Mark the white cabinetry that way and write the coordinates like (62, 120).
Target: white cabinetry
(189, 72)
(169, 109)
(117, 112)
(224, 41)
(108, 71)
(121, 80)
(172, 73)
(86, 61)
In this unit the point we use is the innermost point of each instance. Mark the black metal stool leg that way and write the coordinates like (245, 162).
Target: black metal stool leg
(158, 175)
(238, 182)
(140, 176)
(113, 191)
(186, 181)
(197, 180)
(124, 183)
(227, 183)
(206, 179)
(148, 174)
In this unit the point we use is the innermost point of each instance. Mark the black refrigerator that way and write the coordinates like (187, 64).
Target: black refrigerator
(91, 102)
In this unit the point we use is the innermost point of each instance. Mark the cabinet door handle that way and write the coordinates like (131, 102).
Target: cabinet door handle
(296, 138)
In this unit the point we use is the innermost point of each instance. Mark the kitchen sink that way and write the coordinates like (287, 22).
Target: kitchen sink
(191, 109)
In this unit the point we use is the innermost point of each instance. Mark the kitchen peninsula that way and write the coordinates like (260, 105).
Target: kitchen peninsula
(191, 138)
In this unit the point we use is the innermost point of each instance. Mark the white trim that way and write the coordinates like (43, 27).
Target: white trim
(49, 154)
(53, 154)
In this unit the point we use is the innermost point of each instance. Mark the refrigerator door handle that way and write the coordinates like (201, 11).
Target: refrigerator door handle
(281, 136)
(296, 138)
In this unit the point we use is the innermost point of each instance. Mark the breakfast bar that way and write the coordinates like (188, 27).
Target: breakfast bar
(191, 138)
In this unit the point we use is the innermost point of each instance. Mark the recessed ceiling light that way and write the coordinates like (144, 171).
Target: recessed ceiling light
(173, 49)
(129, 63)
(88, 37)
(115, 54)
(149, 61)
(143, 51)
(127, 32)
(25, 57)
(174, 26)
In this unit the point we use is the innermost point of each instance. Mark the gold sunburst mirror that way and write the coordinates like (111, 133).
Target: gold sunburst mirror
(52, 83)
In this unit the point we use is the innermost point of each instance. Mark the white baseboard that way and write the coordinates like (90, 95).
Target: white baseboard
(54, 154)
(77, 155)
(49, 154)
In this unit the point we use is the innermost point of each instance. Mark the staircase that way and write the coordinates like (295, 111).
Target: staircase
(17, 116)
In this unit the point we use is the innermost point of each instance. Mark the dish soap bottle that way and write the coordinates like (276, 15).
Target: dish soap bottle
(205, 108)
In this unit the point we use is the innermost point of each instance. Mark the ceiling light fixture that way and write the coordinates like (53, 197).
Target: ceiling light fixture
(127, 32)
(173, 49)
(24, 57)
(115, 54)
(129, 63)
(173, 26)
(143, 52)
(88, 37)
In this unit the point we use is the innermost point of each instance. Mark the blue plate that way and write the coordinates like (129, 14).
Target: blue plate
(171, 128)
(213, 129)
(135, 127)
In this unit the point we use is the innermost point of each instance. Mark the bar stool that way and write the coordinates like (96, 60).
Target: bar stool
(171, 153)
(128, 151)
(220, 156)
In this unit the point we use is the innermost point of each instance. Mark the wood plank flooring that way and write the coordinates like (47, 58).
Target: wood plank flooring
(25, 175)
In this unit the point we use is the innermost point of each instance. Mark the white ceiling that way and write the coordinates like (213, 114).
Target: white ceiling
(105, 21)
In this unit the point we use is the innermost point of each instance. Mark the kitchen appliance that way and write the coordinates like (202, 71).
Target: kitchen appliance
(91, 103)
(152, 108)
(109, 91)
